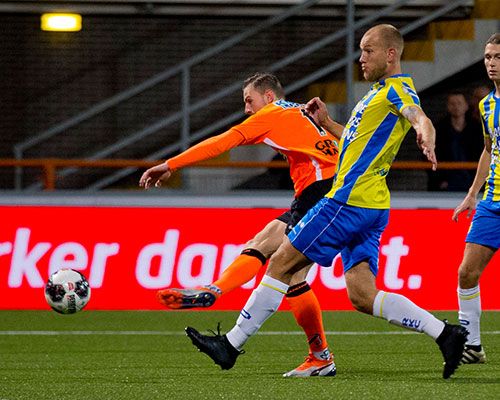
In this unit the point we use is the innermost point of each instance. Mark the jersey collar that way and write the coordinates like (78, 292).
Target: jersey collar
(382, 81)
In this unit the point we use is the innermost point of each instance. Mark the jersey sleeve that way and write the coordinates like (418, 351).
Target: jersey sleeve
(207, 149)
(484, 123)
(255, 128)
(485, 128)
(402, 96)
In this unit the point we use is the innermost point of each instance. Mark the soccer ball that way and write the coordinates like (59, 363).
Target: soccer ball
(67, 291)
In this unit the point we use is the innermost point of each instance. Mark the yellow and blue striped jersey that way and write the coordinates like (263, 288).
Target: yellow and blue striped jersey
(370, 142)
(489, 107)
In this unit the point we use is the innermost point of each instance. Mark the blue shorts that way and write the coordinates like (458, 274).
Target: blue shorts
(485, 226)
(331, 227)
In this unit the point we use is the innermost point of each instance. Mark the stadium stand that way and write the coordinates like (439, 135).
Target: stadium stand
(52, 78)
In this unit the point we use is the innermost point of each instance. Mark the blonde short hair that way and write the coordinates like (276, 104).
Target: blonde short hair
(390, 36)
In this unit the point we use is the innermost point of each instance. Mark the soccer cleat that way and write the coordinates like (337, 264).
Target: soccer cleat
(188, 298)
(473, 356)
(217, 347)
(313, 366)
(452, 344)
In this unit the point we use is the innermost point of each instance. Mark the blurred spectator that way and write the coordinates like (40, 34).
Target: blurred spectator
(478, 93)
(458, 138)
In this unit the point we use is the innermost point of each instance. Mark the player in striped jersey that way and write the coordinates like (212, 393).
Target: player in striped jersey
(312, 154)
(352, 217)
(483, 239)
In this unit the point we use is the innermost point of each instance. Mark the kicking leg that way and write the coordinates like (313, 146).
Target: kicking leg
(240, 271)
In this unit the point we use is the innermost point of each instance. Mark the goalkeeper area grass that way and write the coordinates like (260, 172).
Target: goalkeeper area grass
(146, 355)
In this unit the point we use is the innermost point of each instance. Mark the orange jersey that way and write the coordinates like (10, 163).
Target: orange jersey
(312, 152)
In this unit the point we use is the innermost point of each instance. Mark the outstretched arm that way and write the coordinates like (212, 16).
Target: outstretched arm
(204, 150)
(469, 202)
(426, 134)
(317, 109)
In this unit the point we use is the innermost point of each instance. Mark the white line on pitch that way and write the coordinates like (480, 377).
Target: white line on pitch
(180, 332)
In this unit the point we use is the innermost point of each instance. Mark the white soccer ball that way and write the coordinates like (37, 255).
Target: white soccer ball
(67, 291)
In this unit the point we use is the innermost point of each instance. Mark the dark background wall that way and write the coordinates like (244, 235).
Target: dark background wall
(49, 77)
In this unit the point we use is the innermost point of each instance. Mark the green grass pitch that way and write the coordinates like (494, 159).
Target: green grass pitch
(145, 355)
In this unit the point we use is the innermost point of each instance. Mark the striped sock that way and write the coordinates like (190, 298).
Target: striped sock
(262, 303)
(469, 314)
(399, 310)
(307, 312)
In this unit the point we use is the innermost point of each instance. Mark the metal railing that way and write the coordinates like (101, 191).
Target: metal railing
(184, 70)
(49, 166)
(186, 137)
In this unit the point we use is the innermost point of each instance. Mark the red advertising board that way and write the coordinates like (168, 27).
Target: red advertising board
(128, 253)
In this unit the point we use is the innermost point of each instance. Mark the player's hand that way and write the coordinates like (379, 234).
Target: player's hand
(468, 204)
(426, 133)
(317, 110)
(155, 176)
(427, 146)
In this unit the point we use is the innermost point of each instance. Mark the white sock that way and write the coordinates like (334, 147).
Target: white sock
(263, 302)
(469, 314)
(399, 310)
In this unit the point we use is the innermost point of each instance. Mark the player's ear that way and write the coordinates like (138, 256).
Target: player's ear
(270, 96)
(392, 54)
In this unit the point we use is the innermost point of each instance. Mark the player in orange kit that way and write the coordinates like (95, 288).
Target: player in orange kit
(312, 154)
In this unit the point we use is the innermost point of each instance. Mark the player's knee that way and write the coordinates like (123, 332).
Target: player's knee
(285, 262)
(262, 246)
(468, 276)
(265, 244)
(361, 303)
(255, 243)
(359, 296)
(277, 265)
(361, 288)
